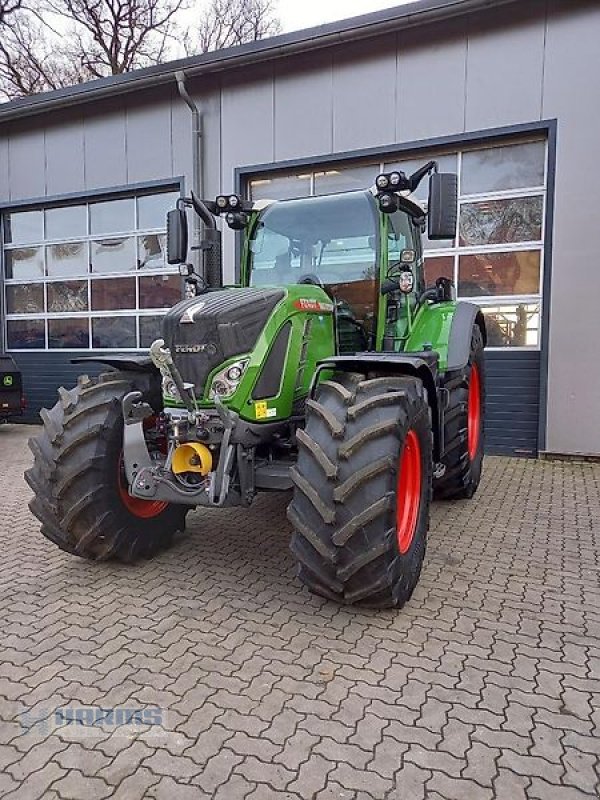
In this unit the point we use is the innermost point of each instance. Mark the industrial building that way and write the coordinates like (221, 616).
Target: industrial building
(505, 93)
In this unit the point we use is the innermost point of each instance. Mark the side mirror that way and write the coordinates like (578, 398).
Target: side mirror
(177, 236)
(443, 205)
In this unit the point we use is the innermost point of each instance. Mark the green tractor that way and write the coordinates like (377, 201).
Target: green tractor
(332, 371)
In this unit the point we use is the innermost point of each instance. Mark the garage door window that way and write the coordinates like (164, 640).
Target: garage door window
(88, 276)
(496, 258)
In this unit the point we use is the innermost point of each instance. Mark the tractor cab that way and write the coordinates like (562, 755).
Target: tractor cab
(344, 244)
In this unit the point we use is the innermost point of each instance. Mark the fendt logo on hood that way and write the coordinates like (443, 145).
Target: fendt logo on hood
(190, 313)
(210, 349)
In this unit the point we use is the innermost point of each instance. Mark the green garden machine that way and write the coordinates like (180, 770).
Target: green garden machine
(331, 371)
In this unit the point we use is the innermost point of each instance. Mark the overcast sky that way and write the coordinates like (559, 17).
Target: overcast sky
(296, 14)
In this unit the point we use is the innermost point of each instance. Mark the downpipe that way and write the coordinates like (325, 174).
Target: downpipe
(197, 168)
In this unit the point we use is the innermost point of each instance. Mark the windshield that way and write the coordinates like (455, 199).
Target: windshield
(330, 242)
(329, 239)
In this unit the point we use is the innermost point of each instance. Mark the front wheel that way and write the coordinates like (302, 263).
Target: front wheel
(362, 487)
(463, 426)
(78, 477)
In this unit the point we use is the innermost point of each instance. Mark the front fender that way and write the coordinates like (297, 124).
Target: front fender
(446, 328)
(423, 365)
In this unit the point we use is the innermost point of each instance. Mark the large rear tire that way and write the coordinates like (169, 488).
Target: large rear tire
(463, 427)
(78, 481)
(360, 509)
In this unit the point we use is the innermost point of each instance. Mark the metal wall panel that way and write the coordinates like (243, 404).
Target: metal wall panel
(210, 104)
(27, 160)
(505, 67)
(572, 94)
(105, 150)
(247, 135)
(247, 132)
(43, 373)
(431, 82)
(65, 158)
(303, 107)
(181, 139)
(148, 139)
(4, 171)
(364, 94)
(512, 402)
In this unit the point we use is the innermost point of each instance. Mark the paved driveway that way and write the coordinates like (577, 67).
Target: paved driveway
(486, 686)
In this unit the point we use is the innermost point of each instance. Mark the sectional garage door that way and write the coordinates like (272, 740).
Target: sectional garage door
(496, 259)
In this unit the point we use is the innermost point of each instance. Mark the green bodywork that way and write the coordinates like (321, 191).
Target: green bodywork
(311, 340)
(412, 328)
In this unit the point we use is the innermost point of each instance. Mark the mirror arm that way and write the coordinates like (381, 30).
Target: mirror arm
(203, 212)
(416, 178)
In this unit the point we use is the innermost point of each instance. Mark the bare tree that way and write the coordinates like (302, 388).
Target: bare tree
(48, 44)
(54, 43)
(109, 37)
(226, 23)
(8, 7)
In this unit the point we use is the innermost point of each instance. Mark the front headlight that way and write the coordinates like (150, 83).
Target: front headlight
(170, 390)
(227, 380)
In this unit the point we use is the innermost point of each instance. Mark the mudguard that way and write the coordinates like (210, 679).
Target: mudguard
(131, 363)
(423, 365)
(459, 341)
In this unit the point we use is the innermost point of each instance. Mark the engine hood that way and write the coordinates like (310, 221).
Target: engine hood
(207, 330)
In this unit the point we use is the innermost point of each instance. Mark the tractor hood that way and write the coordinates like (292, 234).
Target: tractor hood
(205, 331)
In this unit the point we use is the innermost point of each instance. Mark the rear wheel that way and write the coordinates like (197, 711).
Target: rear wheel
(78, 476)
(463, 431)
(360, 509)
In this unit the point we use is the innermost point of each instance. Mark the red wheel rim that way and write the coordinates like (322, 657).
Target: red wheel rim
(408, 492)
(474, 412)
(143, 509)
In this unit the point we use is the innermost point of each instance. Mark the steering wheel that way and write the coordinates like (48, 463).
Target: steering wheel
(311, 279)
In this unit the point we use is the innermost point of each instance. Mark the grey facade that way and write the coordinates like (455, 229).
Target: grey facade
(432, 78)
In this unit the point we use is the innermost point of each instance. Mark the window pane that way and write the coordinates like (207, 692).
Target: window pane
(110, 332)
(26, 298)
(284, 188)
(499, 274)
(442, 267)
(24, 227)
(152, 210)
(24, 334)
(72, 333)
(112, 294)
(400, 236)
(515, 325)
(345, 179)
(66, 223)
(25, 262)
(67, 259)
(151, 251)
(113, 255)
(160, 291)
(150, 330)
(499, 221)
(112, 216)
(494, 169)
(67, 296)
(446, 163)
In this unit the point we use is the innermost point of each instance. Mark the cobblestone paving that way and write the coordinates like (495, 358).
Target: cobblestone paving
(487, 685)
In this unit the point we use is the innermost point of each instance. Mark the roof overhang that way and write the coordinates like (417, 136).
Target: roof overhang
(354, 29)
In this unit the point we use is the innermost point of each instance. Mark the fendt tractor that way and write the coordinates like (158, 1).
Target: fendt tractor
(331, 370)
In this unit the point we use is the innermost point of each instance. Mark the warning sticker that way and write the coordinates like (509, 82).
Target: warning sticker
(262, 411)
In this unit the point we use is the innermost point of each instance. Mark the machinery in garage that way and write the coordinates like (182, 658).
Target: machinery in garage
(331, 371)
(12, 398)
